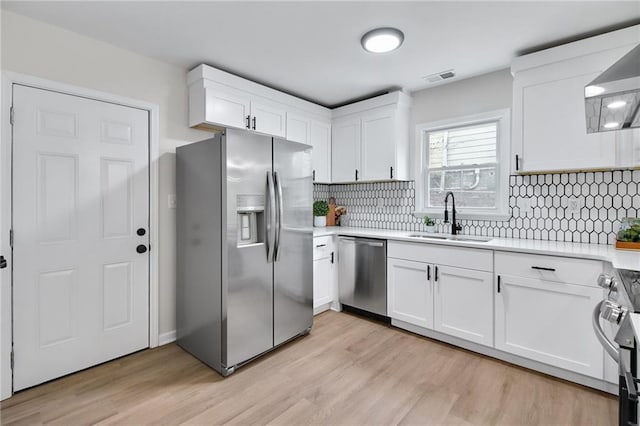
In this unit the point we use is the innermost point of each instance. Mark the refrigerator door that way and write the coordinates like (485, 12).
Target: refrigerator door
(293, 266)
(248, 323)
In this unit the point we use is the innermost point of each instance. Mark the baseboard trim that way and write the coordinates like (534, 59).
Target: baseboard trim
(168, 337)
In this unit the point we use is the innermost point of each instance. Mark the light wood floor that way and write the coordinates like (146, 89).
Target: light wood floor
(349, 370)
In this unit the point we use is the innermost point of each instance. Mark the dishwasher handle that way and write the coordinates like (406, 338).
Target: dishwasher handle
(362, 242)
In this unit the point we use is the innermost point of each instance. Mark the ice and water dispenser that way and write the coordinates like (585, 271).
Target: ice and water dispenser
(250, 219)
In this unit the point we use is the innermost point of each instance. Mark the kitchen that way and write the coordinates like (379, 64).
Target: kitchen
(560, 203)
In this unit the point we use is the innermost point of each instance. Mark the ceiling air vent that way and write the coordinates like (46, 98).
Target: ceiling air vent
(439, 76)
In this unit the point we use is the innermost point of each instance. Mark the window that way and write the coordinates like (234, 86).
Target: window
(469, 157)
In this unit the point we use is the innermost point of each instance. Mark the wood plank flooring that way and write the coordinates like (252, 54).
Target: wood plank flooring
(348, 371)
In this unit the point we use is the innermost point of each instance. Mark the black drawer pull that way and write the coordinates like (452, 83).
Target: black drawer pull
(540, 268)
(321, 245)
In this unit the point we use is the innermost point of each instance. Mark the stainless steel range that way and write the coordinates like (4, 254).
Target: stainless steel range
(621, 308)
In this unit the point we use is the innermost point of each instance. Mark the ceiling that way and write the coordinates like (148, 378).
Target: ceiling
(312, 49)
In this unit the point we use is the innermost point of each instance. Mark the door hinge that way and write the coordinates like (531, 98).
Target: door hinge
(11, 238)
(11, 115)
(331, 257)
(12, 362)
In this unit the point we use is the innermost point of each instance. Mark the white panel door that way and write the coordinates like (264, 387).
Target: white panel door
(228, 108)
(464, 304)
(378, 148)
(345, 147)
(80, 195)
(410, 292)
(549, 322)
(268, 119)
(321, 142)
(298, 128)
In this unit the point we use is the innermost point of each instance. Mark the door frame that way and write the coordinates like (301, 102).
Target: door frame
(6, 140)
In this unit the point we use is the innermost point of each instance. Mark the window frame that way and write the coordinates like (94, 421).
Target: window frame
(503, 148)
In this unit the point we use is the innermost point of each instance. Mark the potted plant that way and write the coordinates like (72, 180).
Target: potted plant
(320, 210)
(429, 224)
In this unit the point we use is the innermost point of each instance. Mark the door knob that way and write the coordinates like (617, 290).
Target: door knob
(3, 262)
(141, 248)
(141, 231)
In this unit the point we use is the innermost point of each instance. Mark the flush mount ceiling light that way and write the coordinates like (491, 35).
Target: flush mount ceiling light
(382, 40)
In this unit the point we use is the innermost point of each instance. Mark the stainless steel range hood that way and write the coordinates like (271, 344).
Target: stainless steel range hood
(612, 101)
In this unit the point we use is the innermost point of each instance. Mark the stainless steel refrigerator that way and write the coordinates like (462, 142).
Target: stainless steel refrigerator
(244, 246)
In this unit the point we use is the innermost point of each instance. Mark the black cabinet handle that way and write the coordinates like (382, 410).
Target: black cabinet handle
(391, 171)
(254, 122)
(331, 257)
(3, 262)
(436, 273)
(141, 249)
(248, 121)
(314, 175)
(356, 174)
(517, 162)
(540, 268)
(428, 272)
(499, 284)
(321, 245)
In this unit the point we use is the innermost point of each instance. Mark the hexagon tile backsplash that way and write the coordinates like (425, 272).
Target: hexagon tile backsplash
(604, 199)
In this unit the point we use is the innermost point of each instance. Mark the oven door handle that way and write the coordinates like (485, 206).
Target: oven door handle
(609, 347)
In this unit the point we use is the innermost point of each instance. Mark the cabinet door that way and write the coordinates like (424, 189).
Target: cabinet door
(464, 303)
(410, 292)
(268, 118)
(321, 142)
(549, 322)
(345, 146)
(378, 153)
(322, 283)
(298, 128)
(227, 108)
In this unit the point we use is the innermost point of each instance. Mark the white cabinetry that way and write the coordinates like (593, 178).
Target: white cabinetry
(549, 125)
(410, 292)
(324, 272)
(370, 139)
(543, 310)
(218, 100)
(428, 287)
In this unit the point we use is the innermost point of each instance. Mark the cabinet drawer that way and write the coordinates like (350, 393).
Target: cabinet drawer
(549, 268)
(322, 247)
(468, 258)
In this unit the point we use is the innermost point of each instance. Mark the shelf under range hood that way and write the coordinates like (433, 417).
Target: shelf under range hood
(612, 100)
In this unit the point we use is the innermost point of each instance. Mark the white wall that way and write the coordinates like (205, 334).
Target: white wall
(38, 49)
(474, 95)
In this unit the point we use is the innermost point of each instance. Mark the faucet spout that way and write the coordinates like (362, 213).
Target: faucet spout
(454, 226)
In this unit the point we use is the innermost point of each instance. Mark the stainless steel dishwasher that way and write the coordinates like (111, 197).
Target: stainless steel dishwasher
(362, 273)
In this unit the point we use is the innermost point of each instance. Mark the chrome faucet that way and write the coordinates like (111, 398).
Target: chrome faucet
(454, 226)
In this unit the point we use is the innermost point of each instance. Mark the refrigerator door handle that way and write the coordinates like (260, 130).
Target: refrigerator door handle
(270, 219)
(279, 213)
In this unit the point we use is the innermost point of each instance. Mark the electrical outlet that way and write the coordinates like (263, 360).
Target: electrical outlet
(525, 205)
(573, 205)
(171, 201)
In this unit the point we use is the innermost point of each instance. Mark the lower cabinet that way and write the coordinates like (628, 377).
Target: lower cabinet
(549, 322)
(324, 272)
(410, 292)
(448, 299)
(464, 303)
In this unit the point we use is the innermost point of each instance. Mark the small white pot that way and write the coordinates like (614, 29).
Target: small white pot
(431, 229)
(319, 221)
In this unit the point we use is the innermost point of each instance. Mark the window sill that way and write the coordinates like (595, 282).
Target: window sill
(439, 214)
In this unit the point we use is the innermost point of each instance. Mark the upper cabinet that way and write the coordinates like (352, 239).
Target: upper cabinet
(218, 100)
(549, 125)
(370, 139)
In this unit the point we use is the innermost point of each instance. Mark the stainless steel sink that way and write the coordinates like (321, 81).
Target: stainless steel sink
(470, 238)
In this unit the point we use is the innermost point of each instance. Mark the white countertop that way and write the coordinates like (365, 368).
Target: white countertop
(620, 259)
